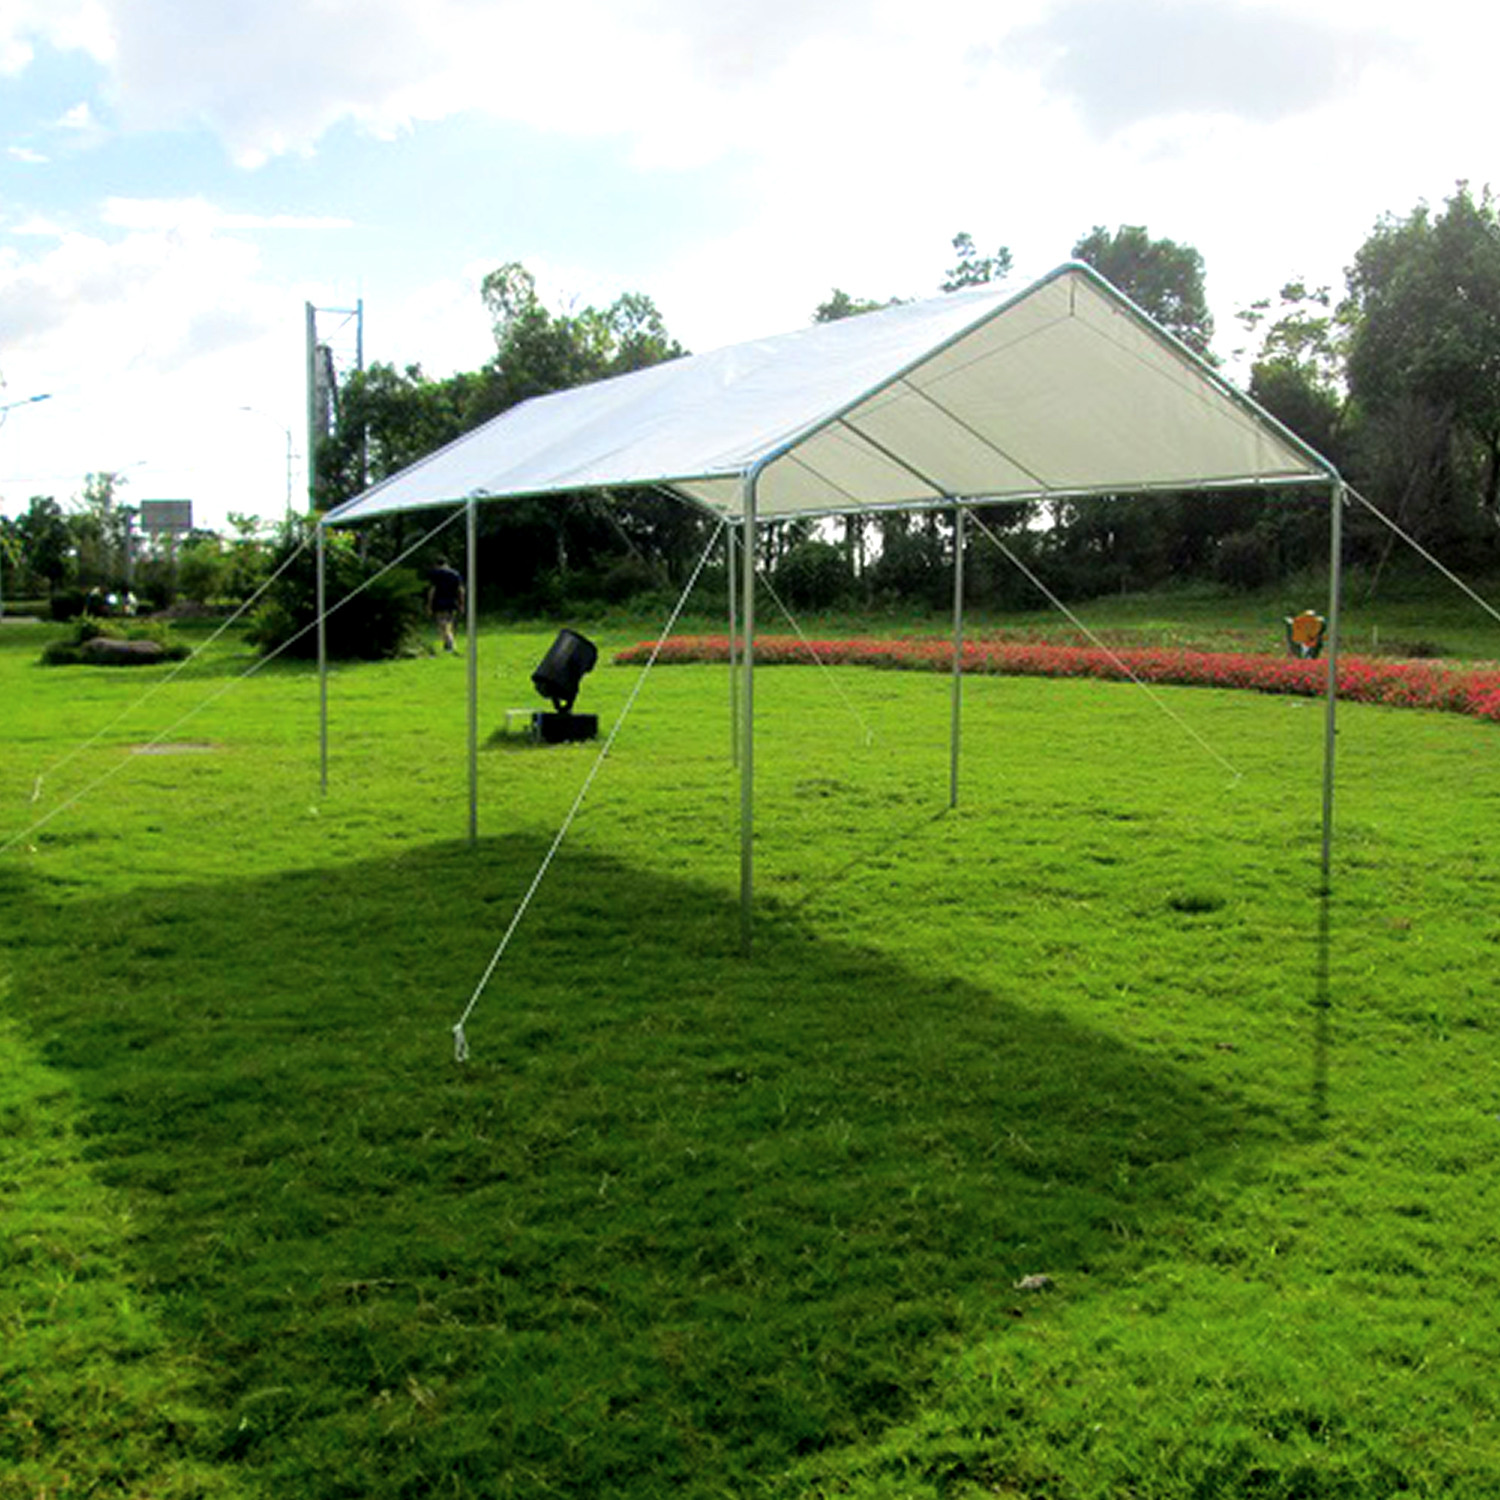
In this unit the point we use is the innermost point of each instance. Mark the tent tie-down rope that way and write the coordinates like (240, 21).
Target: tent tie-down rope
(213, 697)
(1422, 552)
(460, 1039)
(156, 687)
(812, 652)
(1113, 656)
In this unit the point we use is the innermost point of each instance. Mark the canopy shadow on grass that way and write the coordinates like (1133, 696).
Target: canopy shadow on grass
(684, 1219)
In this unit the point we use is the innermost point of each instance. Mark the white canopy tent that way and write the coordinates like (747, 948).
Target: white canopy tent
(1063, 390)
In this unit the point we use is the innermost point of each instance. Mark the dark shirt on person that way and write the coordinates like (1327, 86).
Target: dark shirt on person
(447, 588)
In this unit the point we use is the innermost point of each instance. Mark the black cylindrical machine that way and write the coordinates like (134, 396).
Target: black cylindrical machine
(569, 658)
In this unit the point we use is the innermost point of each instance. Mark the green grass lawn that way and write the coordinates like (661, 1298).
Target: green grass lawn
(691, 1223)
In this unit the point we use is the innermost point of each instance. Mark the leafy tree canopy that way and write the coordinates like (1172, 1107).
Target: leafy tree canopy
(389, 418)
(1424, 313)
(1161, 277)
(1298, 372)
(972, 268)
(839, 305)
(45, 541)
(538, 351)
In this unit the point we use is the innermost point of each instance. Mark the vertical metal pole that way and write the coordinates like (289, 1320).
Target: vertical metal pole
(322, 602)
(734, 652)
(471, 647)
(312, 403)
(747, 710)
(1330, 734)
(289, 474)
(359, 365)
(959, 528)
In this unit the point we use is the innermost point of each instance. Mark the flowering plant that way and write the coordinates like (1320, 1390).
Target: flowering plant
(1396, 684)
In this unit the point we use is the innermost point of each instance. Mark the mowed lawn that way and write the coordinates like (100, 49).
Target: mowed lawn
(1063, 1145)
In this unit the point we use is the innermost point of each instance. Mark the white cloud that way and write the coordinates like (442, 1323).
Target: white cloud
(68, 25)
(26, 156)
(1125, 61)
(135, 338)
(197, 216)
(859, 135)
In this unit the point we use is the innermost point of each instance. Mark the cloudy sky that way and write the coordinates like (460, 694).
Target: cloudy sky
(178, 180)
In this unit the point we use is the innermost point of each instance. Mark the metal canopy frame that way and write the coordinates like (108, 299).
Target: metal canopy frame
(744, 727)
(741, 508)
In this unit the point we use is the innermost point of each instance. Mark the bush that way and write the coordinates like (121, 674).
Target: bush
(74, 649)
(911, 569)
(203, 571)
(1245, 561)
(813, 575)
(371, 615)
(67, 604)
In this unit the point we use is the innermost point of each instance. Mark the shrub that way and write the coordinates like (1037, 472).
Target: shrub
(1395, 684)
(203, 570)
(67, 604)
(813, 575)
(372, 614)
(911, 568)
(1244, 560)
(73, 649)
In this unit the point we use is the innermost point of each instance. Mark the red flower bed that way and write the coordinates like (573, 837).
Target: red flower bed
(1396, 684)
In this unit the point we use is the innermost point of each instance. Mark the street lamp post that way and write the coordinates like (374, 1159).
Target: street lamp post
(255, 411)
(10, 406)
(5, 411)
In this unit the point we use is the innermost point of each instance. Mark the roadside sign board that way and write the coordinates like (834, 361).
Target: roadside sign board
(166, 515)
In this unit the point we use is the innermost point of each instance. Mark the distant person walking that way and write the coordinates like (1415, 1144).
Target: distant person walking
(445, 597)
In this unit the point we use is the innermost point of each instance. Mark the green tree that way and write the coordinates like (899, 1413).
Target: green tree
(813, 574)
(203, 570)
(1423, 310)
(538, 351)
(383, 614)
(45, 541)
(840, 305)
(534, 554)
(1161, 277)
(972, 268)
(1298, 371)
(1100, 544)
(389, 418)
(101, 527)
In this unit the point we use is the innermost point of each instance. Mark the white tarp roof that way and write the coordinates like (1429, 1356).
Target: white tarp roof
(1063, 389)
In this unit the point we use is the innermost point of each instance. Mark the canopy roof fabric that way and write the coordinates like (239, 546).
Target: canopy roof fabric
(1063, 389)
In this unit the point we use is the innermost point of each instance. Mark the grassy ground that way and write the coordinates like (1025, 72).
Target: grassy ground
(692, 1223)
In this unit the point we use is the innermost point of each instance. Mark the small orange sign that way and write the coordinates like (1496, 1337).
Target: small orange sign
(1304, 633)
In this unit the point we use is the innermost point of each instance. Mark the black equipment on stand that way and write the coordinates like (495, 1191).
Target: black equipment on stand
(568, 660)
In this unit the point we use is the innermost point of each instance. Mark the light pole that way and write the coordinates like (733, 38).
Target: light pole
(10, 406)
(255, 411)
(5, 412)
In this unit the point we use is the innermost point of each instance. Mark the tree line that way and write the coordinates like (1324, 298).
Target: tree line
(1395, 377)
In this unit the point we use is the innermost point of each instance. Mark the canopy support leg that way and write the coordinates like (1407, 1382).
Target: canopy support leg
(471, 647)
(959, 530)
(747, 722)
(734, 626)
(322, 605)
(1330, 731)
